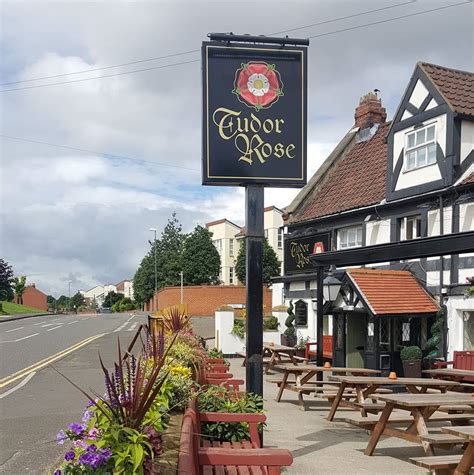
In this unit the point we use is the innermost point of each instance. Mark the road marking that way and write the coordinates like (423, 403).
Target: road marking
(75, 321)
(86, 319)
(18, 386)
(54, 328)
(133, 327)
(47, 325)
(46, 361)
(20, 339)
(40, 323)
(121, 327)
(14, 329)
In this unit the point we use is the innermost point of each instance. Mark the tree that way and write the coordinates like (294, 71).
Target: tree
(111, 299)
(77, 300)
(200, 259)
(19, 285)
(51, 302)
(271, 264)
(169, 253)
(169, 249)
(6, 277)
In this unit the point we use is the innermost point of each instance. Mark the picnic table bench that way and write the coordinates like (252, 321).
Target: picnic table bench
(304, 373)
(421, 409)
(453, 374)
(274, 353)
(366, 386)
(457, 464)
(197, 456)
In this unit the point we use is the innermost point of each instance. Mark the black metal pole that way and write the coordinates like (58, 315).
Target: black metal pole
(319, 318)
(254, 287)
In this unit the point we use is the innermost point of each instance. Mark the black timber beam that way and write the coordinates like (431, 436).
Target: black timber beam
(457, 243)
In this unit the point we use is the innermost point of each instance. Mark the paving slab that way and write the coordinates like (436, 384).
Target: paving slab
(322, 447)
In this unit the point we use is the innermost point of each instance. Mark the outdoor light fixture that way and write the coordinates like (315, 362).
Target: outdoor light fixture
(331, 287)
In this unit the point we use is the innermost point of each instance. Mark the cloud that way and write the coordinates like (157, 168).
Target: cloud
(69, 214)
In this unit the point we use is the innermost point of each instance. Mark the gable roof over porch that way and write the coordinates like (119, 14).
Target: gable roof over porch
(392, 292)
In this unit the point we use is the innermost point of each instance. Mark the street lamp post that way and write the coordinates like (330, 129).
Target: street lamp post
(69, 298)
(181, 275)
(156, 273)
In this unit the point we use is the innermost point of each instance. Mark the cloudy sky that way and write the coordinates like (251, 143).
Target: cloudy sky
(67, 214)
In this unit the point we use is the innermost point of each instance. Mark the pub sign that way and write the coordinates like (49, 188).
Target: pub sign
(298, 251)
(254, 114)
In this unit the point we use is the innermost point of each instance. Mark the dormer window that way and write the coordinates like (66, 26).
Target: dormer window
(420, 149)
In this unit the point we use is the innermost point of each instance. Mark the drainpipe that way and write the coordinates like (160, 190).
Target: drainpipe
(441, 232)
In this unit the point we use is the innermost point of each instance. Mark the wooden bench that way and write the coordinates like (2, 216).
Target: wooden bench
(441, 464)
(461, 360)
(197, 457)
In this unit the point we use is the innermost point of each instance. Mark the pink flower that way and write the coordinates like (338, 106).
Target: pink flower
(93, 433)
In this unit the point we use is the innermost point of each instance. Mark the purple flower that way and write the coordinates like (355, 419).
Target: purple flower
(90, 404)
(76, 428)
(61, 437)
(70, 455)
(80, 443)
(92, 448)
(105, 453)
(57, 472)
(86, 417)
(93, 433)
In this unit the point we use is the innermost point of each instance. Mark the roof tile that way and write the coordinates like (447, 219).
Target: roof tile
(392, 292)
(457, 87)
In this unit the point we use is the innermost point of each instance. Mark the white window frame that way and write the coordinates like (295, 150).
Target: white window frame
(218, 244)
(231, 275)
(266, 233)
(280, 238)
(417, 148)
(231, 248)
(343, 234)
(413, 219)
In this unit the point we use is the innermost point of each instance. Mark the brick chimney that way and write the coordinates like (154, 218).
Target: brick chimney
(369, 111)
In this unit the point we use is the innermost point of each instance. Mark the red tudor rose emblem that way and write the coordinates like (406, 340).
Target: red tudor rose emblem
(258, 85)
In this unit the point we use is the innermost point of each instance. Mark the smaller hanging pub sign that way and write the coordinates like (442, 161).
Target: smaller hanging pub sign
(254, 122)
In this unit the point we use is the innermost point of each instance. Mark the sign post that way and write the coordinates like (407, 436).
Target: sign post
(254, 135)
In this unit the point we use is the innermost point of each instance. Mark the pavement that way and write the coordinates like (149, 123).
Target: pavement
(34, 407)
(322, 447)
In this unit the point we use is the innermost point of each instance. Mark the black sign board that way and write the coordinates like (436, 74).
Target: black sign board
(254, 114)
(298, 251)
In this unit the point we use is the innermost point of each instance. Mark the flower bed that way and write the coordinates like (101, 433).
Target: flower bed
(122, 430)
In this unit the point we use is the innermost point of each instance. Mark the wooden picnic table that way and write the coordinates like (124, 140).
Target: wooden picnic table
(467, 459)
(421, 406)
(365, 386)
(275, 352)
(307, 371)
(450, 374)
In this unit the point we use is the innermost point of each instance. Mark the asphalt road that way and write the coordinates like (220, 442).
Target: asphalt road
(24, 342)
(40, 402)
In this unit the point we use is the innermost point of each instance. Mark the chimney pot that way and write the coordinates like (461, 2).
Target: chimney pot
(369, 111)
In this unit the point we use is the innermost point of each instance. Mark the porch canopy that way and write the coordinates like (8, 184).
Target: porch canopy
(455, 243)
(391, 292)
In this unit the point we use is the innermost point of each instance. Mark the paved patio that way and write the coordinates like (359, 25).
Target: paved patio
(322, 447)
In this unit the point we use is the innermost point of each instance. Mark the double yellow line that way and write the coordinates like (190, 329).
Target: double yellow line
(46, 361)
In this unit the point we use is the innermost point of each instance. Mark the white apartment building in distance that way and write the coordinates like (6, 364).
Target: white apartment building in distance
(227, 236)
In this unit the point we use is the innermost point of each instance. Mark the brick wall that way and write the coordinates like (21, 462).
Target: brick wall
(202, 300)
(32, 297)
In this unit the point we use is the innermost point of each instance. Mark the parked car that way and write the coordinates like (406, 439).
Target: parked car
(104, 310)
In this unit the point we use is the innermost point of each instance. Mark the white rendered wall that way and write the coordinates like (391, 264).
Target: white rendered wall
(456, 306)
(467, 138)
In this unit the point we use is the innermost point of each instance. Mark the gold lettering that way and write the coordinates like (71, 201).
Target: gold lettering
(289, 149)
(300, 253)
(277, 125)
(225, 122)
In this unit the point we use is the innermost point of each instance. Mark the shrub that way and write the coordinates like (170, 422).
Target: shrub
(176, 319)
(411, 353)
(239, 328)
(271, 323)
(217, 399)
